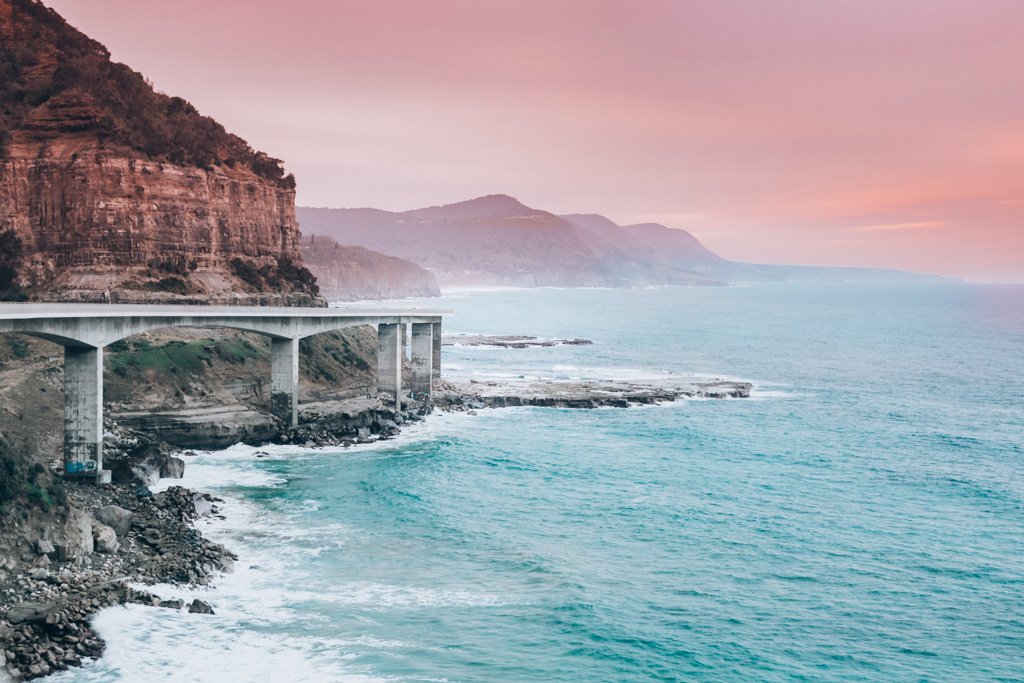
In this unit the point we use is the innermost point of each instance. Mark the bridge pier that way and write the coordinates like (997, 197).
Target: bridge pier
(284, 380)
(83, 411)
(85, 329)
(421, 358)
(435, 365)
(389, 360)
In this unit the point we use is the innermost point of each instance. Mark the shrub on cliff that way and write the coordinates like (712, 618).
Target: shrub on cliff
(10, 261)
(286, 276)
(31, 482)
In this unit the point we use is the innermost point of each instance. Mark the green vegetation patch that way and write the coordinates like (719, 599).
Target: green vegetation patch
(177, 357)
(20, 480)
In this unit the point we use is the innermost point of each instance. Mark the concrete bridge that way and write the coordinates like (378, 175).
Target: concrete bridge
(84, 329)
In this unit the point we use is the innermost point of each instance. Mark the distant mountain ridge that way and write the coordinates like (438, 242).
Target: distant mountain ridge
(492, 240)
(346, 273)
(498, 240)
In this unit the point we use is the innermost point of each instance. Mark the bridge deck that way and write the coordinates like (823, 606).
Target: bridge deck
(23, 311)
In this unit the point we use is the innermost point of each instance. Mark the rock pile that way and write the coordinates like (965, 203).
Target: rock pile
(121, 534)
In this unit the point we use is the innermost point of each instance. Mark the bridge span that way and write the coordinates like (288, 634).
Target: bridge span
(84, 329)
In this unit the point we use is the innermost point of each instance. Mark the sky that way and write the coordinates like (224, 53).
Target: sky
(882, 133)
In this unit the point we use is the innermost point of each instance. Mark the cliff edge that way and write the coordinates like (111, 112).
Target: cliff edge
(111, 191)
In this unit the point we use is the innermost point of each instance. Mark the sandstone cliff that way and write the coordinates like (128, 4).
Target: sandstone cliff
(346, 273)
(110, 191)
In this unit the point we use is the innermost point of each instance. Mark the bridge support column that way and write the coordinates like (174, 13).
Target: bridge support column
(284, 380)
(435, 365)
(83, 411)
(389, 360)
(422, 358)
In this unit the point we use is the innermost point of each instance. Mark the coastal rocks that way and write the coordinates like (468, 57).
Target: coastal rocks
(145, 464)
(200, 607)
(45, 609)
(172, 468)
(509, 341)
(579, 394)
(49, 635)
(202, 504)
(351, 421)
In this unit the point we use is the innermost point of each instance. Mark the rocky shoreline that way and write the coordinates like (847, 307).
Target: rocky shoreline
(114, 536)
(509, 341)
(117, 536)
(581, 394)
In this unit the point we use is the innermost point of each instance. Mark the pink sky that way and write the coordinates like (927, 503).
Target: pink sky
(860, 132)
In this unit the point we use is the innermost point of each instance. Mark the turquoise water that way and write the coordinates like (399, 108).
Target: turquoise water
(860, 519)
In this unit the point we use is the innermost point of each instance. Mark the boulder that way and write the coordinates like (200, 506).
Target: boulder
(177, 603)
(73, 540)
(31, 612)
(172, 468)
(105, 539)
(202, 504)
(116, 517)
(45, 547)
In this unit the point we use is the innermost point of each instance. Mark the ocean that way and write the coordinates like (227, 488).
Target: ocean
(860, 518)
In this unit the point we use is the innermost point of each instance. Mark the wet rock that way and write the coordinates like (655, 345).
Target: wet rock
(200, 607)
(176, 603)
(172, 468)
(203, 505)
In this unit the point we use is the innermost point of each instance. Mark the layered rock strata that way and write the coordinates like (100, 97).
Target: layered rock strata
(110, 191)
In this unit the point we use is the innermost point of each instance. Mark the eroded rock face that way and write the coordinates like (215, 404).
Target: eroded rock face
(111, 191)
(97, 223)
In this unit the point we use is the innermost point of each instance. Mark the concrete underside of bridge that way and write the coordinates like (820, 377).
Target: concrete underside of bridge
(84, 330)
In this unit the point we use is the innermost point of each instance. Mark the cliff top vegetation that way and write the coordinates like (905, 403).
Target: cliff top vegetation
(55, 79)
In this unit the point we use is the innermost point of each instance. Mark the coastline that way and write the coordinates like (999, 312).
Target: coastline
(50, 597)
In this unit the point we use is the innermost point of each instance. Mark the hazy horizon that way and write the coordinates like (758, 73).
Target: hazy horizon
(840, 133)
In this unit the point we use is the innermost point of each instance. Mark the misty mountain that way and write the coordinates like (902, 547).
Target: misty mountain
(497, 240)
